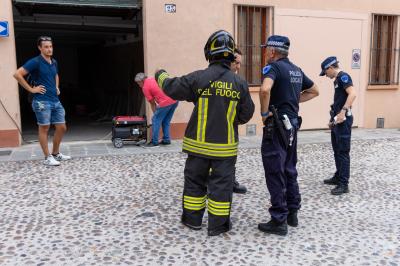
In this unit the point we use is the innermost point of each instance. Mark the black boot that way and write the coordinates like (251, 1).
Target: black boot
(292, 218)
(332, 181)
(238, 188)
(220, 230)
(340, 189)
(191, 226)
(274, 227)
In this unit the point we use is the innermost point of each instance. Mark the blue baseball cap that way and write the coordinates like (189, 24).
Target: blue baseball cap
(277, 41)
(327, 63)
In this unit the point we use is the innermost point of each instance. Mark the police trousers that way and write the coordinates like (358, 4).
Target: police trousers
(341, 140)
(204, 190)
(280, 171)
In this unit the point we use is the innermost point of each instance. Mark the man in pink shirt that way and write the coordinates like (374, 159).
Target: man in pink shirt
(163, 109)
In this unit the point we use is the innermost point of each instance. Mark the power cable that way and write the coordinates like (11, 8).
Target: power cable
(16, 125)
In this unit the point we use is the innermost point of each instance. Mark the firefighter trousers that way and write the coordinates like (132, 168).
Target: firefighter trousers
(202, 190)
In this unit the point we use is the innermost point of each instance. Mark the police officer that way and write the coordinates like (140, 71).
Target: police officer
(340, 123)
(222, 101)
(283, 87)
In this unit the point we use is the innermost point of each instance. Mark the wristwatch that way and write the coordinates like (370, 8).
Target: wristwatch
(265, 114)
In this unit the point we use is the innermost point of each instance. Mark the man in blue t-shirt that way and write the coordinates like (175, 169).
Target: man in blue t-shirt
(340, 123)
(284, 86)
(44, 85)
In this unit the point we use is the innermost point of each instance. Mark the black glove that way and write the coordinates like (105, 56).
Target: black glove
(160, 76)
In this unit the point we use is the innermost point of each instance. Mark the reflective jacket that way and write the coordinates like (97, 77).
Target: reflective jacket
(221, 102)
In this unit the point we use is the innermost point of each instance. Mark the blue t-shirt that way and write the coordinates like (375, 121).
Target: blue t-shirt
(43, 73)
(342, 82)
(289, 81)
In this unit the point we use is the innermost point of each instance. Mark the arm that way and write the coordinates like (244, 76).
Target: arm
(19, 76)
(246, 107)
(58, 84)
(309, 94)
(351, 96)
(181, 89)
(153, 105)
(265, 94)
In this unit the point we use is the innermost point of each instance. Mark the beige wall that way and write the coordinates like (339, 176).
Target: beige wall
(329, 33)
(8, 85)
(382, 104)
(175, 42)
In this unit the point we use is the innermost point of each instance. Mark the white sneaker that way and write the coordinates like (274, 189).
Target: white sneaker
(61, 157)
(50, 161)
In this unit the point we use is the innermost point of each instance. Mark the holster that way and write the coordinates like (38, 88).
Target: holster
(300, 121)
(332, 114)
(269, 124)
(279, 125)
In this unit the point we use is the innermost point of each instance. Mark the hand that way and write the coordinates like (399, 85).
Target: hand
(58, 91)
(38, 89)
(158, 72)
(265, 118)
(330, 125)
(340, 117)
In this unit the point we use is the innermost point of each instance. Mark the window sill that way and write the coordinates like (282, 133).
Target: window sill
(383, 87)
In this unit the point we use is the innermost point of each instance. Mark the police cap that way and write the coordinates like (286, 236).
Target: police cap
(277, 41)
(327, 63)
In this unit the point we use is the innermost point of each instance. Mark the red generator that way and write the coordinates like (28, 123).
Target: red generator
(129, 129)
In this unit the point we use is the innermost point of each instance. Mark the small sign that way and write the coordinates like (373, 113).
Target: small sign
(356, 59)
(170, 8)
(4, 31)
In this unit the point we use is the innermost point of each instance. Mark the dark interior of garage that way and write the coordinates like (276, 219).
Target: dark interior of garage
(98, 46)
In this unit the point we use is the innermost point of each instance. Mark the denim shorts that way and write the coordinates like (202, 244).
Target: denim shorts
(48, 112)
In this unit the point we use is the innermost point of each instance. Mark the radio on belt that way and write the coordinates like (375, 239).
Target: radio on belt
(286, 122)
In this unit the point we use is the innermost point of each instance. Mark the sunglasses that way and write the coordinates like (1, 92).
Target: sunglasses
(43, 39)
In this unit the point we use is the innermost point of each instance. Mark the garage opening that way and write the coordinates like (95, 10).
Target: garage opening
(98, 45)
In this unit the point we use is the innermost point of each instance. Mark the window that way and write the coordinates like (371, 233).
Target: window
(254, 25)
(384, 67)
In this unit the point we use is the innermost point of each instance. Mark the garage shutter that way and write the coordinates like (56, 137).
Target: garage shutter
(83, 3)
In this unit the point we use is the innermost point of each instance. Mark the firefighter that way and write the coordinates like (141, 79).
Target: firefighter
(222, 102)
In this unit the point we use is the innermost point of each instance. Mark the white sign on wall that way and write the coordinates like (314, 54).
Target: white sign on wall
(170, 8)
(356, 59)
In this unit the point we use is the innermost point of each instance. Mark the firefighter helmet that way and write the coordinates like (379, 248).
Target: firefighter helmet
(220, 45)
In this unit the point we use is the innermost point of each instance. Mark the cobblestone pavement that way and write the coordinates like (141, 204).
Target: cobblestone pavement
(124, 210)
(94, 148)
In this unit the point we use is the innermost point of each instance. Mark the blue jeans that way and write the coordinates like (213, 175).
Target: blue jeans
(48, 112)
(162, 117)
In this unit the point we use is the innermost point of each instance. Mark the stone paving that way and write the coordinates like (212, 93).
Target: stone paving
(105, 147)
(125, 209)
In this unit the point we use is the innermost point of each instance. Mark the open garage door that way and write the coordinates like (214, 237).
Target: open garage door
(99, 47)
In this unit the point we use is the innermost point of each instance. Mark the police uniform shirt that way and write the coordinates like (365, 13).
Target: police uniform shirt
(341, 83)
(289, 81)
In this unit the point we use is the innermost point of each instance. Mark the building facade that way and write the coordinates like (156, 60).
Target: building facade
(363, 34)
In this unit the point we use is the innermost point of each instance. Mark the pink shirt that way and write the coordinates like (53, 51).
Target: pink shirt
(152, 92)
